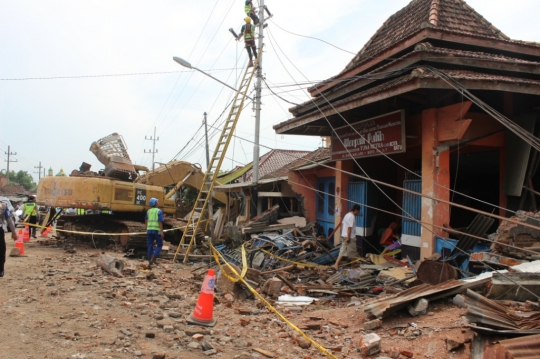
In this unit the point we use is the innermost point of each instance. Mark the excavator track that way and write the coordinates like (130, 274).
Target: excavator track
(91, 227)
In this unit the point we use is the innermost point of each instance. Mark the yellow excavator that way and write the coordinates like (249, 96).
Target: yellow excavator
(115, 200)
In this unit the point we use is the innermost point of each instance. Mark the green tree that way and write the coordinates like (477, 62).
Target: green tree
(23, 178)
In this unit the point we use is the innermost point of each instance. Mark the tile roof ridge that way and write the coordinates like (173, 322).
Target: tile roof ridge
(434, 12)
(473, 12)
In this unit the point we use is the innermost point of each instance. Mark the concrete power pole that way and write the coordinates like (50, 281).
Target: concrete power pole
(206, 140)
(39, 170)
(256, 147)
(153, 151)
(9, 154)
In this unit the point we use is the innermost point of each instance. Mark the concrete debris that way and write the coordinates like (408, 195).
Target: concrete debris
(272, 287)
(520, 287)
(418, 307)
(370, 344)
(454, 343)
(111, 265)
(459, 300)
(373, 324)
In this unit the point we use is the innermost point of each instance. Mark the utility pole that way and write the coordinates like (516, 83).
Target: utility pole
(210, 205)
(44, 172)
(206, 138)
(9, 154)
(153, 151)
(255, 175)
(39, 170)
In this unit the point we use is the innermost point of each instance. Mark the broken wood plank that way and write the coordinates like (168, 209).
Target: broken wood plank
(279, 269)
(286, 281)
(266, 353)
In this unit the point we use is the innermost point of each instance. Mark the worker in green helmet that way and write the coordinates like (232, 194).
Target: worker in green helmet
(251, 12)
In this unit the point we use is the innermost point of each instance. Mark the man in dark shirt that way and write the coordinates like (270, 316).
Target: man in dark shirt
(5, 222)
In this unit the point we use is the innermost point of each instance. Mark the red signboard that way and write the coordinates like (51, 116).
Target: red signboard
(373, 137)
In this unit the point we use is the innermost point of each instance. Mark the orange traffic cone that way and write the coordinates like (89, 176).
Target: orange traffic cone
(19, 243)
(203, 313)
(45, 233)
(26, 234)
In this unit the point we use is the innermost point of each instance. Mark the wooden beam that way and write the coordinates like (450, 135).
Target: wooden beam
(450, 123)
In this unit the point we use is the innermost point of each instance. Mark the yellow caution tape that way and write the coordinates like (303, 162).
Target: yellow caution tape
(310, 265)
(98, 233)
(216, 253)
(244, 267)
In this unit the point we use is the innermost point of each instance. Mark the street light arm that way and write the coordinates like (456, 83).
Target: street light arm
(221, 82)
(189, 66)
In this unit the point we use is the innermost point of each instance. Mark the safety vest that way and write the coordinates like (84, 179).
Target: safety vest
(248, 7)
(30, 209)
(105, 211)
(80, 211)
(153, 219)
(249, 32)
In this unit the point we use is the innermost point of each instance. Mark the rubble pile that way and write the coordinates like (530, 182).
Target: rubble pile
(94, 304)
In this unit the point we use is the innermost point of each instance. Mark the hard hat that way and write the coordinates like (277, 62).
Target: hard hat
(153, 201)
(247, 20)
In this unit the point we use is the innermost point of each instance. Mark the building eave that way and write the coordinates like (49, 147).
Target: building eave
(405, 84)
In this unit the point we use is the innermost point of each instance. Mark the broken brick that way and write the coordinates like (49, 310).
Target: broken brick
(406, 353)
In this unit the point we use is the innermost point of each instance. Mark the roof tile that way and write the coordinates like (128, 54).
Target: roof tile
(275, 160)
(447, 15)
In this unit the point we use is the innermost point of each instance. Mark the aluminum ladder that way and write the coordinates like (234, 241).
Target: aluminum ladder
(205, 192)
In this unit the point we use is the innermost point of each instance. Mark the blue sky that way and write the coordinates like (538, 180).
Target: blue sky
(55, 120)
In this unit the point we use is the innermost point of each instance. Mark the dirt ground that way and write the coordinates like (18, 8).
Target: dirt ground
(57, 304)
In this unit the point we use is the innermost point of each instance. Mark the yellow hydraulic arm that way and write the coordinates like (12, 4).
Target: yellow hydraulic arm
(216, 160)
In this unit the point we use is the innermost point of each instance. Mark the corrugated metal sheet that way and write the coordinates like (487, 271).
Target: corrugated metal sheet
(387, 305)
(485, 312)
(523, 348)
(412, 207)
(477, 228)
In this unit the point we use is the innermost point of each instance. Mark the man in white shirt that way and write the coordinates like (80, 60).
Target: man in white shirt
(348, 236)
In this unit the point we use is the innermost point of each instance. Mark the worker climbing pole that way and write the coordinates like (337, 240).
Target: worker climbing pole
(205, 193)
(248, 31)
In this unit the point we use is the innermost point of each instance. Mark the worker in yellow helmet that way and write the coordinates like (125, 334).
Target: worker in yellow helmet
(248, 31)
(251, 12)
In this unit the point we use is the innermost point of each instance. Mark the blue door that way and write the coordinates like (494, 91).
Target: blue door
(326, 203)
(363, 193)
(412, 212)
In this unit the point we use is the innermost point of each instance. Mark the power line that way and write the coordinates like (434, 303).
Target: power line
(314, 38)
(110, 75)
